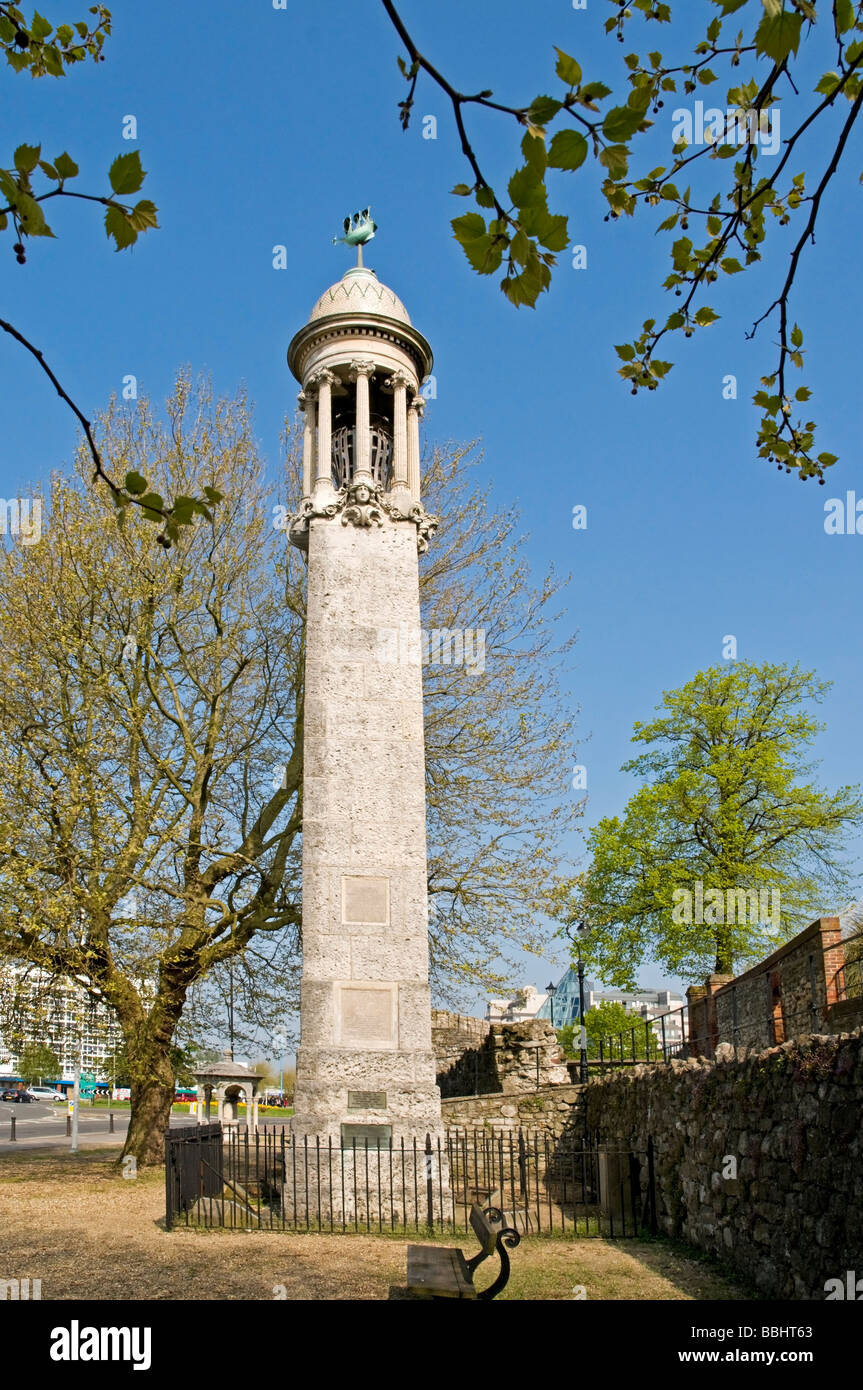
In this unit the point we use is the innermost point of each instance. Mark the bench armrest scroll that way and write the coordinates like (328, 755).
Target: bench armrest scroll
(508, 1236)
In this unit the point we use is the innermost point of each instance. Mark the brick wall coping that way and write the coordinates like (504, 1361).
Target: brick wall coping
(822, 927)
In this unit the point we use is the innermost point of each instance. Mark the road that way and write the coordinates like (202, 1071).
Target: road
(43, 1125)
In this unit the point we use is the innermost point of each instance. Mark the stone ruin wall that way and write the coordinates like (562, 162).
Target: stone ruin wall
(552, 1110)
(476, 1058)
(759, 1161)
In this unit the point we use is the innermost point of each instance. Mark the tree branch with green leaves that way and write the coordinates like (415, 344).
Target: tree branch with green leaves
(733, 209)
(40, 49)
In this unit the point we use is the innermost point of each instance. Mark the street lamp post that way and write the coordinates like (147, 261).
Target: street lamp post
(582, 931)
(76, 1102)
(76, 1084)
(551, 990)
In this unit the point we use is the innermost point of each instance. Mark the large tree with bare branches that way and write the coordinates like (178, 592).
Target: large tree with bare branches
(143, 702)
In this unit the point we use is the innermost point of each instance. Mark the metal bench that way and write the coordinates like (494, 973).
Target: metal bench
(436, 1271)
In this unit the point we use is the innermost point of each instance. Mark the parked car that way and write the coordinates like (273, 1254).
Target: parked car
(19, 1097)
(44, 1093)
(8, 1095)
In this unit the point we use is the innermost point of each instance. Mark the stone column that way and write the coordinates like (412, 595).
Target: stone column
(361, 371)
(415, 410)
(307, 405)
(398, 383)
(324, 381)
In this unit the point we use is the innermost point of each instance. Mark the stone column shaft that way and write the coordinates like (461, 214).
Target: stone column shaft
(324, 381)
(307, 401)
(360, 373)
(415, 411)
(399, 383)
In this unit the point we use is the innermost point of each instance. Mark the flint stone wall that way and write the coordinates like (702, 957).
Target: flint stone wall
(790, 1118)
(553, 1110)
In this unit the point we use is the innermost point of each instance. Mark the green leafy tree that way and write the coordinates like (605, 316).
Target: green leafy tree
(798, 61)
(38, 1061)
(726, 802)
(612, 1024)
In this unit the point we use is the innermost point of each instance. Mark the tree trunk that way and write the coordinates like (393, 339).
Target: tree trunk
(724, 958)
(152, 1086)
(149, 1119)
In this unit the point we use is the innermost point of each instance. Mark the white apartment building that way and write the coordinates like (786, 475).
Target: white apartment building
(39, 1008)
(651, 1004)
(524, 1005)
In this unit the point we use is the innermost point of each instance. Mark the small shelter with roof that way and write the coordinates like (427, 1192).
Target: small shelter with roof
(229, 1080)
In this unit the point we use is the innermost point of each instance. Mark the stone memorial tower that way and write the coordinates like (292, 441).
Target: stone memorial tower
(365, 1067)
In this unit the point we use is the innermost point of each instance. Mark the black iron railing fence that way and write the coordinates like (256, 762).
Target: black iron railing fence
(672, 1035)
(271, 1180)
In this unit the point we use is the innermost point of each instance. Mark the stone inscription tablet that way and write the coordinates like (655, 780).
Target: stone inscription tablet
(366, 900)
(367, 1100)
(363, 1136)
(367, 1016)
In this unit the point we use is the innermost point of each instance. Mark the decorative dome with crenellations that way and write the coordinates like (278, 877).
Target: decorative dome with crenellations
(359, 291)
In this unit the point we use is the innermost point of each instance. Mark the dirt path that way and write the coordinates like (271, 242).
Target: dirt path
(77, 1225)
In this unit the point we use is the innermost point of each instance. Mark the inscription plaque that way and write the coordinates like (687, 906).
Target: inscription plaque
(367, 1016)
(367, 1100)
(365, 901)
(362, 1137)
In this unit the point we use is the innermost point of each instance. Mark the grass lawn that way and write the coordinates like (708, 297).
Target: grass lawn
(75, 1223)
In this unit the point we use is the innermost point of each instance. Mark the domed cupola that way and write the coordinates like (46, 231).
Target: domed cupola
(360, 363)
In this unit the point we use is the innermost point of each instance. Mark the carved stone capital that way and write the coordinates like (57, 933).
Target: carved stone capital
(323, 377)
(417, 403)
(360, 366)
(364, 505)
(397, 379)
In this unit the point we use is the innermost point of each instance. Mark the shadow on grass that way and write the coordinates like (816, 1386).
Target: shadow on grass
(687, 1267)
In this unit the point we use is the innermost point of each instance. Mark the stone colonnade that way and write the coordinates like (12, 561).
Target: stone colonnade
(316, 403)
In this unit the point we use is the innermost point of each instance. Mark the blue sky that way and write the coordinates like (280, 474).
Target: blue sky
(259, 127)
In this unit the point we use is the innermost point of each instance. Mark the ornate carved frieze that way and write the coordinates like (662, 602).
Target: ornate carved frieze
(361, 505)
